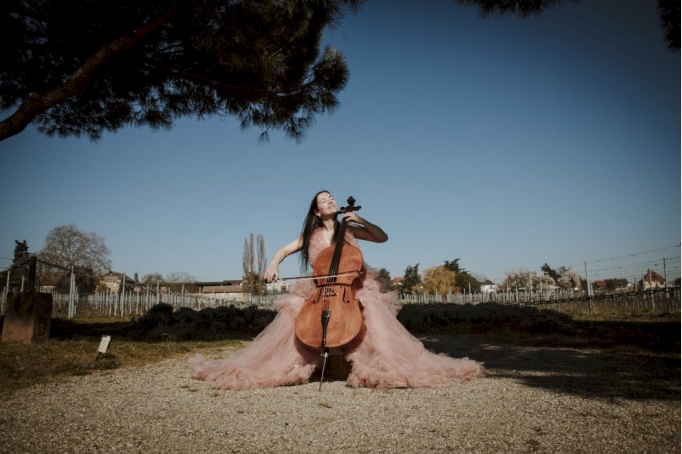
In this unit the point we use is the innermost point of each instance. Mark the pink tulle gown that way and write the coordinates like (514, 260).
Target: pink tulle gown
(389, 356)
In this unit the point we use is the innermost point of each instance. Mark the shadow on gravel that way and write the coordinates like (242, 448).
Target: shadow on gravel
(541, 348)
(550, 350)
(588, 373)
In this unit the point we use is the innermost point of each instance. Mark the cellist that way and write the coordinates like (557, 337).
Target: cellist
(388, 357)
(322, 217)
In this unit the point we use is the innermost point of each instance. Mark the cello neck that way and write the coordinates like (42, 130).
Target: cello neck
(336, 258)
(340, 239)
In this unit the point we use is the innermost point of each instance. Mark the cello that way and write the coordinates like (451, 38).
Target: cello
(332, 318)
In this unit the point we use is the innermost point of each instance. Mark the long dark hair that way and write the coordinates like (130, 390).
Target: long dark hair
(310, 224)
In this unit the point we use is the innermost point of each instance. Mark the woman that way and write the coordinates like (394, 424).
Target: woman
(388, 357)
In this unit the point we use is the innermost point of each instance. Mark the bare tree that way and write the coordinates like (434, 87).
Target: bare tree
(570, 279)
(179, 280)
(151, 279)
(517, 278)
(253, 265)
(247, 263)
(66, 246)
(262, 263)
(522, 278)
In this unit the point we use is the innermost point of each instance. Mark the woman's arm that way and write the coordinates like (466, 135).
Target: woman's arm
(272, 273)
(363, 229)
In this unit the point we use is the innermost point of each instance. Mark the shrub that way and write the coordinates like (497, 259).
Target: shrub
(160, 322)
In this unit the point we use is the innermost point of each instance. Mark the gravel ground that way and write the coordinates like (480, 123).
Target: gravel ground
(532, 400)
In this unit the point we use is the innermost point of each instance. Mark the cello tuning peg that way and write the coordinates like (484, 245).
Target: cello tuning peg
(351, 206)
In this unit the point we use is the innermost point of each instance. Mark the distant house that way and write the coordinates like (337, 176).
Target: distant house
(223, 290)
(47, 282)
(396, 281)
(611, 285)
(277, 286)
(488, 287)
(113, 280)
(652, 280)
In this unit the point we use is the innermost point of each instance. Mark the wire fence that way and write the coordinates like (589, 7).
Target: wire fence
(129, 301)
(654, 301)
(136, 303)
(133, 304)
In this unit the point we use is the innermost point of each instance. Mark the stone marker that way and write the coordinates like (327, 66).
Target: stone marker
(27, 317)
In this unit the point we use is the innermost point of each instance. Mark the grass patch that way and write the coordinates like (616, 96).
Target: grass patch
(72, 351)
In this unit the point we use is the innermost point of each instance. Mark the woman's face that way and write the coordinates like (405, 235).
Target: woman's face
(326, 205)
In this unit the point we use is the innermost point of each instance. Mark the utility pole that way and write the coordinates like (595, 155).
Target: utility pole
(665, 274)
(667, 296)
(653, 303)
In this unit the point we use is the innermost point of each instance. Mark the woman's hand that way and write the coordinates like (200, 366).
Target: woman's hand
(272, 273)
(363, 229)
(352, 217)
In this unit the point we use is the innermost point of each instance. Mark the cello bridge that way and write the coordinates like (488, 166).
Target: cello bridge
(329, 291)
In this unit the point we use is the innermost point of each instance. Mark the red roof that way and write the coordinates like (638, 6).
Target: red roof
(653, 276)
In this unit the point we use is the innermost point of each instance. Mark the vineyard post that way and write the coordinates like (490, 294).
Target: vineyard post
(589, 289)
(70, 311)
(5, 293)
(123, 295)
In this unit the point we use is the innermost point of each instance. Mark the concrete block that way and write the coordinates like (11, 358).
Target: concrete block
(27, 317)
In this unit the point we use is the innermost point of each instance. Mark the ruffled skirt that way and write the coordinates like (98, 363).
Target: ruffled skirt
(388, 357)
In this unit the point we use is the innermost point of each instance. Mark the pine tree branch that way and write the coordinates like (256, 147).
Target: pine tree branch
(37, 103)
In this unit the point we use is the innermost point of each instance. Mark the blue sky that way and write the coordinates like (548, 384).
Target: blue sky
(503, 142)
